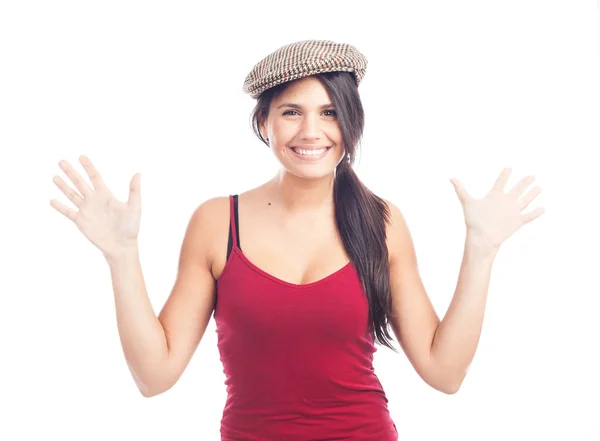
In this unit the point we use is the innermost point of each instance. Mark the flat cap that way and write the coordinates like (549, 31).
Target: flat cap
(301, 59)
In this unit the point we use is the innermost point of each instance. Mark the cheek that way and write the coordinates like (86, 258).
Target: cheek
(281, 137)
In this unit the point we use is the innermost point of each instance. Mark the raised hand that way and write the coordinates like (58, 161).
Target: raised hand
(497, 216)
(108, 223)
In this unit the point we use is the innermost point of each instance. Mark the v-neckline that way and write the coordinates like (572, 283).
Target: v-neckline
(267, 275)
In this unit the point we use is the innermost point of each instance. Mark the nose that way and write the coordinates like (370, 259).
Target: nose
(309, 129)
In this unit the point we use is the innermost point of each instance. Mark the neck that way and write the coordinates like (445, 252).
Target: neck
(295, 194)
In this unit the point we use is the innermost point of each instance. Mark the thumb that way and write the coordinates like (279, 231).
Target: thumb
(459, 187)
(135, 193)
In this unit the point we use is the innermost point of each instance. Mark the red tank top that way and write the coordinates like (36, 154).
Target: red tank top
(297, 358)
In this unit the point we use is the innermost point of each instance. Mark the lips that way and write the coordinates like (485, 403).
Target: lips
(310, 157)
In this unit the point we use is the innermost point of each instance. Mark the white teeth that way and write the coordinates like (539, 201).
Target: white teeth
(310, 152)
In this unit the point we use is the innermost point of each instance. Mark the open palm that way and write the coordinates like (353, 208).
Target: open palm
(107, 222)
(497, 216)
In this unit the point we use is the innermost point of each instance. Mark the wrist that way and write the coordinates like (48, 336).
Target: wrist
(480, 245)
(122, 253)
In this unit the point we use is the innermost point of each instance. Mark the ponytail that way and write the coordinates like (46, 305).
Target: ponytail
(360, 217)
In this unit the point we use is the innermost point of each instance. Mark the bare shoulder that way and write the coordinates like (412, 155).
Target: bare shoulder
(210, 223)
(397, 233)
(211, 211)
(207, 220)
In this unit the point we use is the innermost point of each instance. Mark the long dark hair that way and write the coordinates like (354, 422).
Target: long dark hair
(360, 215)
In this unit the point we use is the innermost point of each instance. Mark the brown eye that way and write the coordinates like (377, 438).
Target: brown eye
(289, 112)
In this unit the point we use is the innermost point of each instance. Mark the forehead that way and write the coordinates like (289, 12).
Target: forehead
(307, 90)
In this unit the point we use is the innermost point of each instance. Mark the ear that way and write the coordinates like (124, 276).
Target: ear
(263, 126)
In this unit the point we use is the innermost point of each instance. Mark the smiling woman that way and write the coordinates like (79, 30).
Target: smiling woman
(327, 268)
(316, 230)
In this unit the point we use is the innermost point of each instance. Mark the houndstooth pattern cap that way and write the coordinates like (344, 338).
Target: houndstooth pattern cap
(301, 59)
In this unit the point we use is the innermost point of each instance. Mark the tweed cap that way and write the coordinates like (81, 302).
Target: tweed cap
(301, 59)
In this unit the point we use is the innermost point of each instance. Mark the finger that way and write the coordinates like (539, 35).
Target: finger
(68, 191)
(76, 178)
(91, 171)
(63, 209)
(518, 189)
(461, 192)
(528, 217)
(502, 179)
(529, 197)
(135, 196)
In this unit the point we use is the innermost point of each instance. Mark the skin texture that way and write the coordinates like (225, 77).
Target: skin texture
(287, 228)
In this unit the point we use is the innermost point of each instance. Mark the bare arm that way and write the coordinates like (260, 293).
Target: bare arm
(440, 352)
(158, 349)
(457, 336)
(490, 221)
(141, 333)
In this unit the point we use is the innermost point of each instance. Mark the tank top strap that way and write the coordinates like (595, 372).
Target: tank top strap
(233, 224)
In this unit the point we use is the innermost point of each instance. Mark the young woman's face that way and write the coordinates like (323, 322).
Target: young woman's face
(303, 130)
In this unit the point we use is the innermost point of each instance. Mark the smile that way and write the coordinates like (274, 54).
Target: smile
(310, 155)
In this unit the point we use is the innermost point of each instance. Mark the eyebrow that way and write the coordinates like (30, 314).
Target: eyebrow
(296, 106)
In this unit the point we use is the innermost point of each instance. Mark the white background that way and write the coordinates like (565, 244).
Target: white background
(453, 89)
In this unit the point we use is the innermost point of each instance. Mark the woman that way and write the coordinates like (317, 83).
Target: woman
(303, 273)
